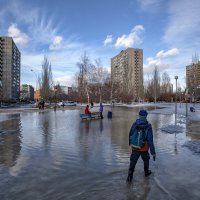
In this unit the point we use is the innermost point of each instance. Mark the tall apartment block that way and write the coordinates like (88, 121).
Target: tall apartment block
(10, 58)
(193, 75)
(127, 71)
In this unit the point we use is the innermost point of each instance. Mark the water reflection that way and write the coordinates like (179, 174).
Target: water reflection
(46, 124)
(90, 159)
(10, 140)
(139, 191)
(101, 125)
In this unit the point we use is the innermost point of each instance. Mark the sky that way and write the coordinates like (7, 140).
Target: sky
(167, 31)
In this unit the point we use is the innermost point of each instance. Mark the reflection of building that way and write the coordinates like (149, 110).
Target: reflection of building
(26, 92)
(9, 69)
(127, 71)
(10, 144)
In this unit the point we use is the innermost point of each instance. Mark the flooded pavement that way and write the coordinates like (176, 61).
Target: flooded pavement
(54, 155)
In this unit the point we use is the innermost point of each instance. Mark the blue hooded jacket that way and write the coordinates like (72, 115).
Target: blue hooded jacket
(143, 124)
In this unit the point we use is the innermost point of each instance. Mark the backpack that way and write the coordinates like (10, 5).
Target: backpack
(138, 138)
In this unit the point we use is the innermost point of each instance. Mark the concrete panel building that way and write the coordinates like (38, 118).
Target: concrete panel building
(26, 92)
(127, 71)
(193, 75)
(193, 80)
(10, 59)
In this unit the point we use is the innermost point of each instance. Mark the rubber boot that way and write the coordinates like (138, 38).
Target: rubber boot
(130, 176)
(148, 173)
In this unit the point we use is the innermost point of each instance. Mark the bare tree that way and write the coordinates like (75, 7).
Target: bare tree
(46, 79)
(100, 76)
(166, 88)
(86, 69)
(156, 83)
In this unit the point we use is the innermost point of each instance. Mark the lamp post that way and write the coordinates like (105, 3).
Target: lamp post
(35, 82)
(176, 77)
(55, 91)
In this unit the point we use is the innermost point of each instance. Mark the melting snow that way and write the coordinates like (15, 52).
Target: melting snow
(172, 129)
(194, 146)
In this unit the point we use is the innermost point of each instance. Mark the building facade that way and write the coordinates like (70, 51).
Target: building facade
(10, 61)
(26, 92)
(127, 71)
(193, 81)
(193, 75)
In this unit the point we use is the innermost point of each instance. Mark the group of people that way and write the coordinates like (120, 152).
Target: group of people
(88, 112)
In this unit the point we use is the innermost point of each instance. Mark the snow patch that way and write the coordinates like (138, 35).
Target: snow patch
(172, 129)
(193, 146)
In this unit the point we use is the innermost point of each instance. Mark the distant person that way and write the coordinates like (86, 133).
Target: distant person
(140, 140)
(92, 104)
(43, 104)
(40, 105)
(87, 110)
(101, 110)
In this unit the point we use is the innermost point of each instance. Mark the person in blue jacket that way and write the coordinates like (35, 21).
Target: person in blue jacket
(101, 110)
(145, 126)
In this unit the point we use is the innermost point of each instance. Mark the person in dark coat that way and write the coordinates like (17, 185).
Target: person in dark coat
(144, 125)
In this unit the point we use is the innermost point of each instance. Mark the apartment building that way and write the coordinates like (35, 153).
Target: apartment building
(193, 81)
(193, 75)
(26, 92)
(127, 71)
(10, 59)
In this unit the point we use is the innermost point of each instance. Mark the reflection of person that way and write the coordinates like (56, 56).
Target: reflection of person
(142, 194)
(101, 110)
(141, 130)
(87, 110)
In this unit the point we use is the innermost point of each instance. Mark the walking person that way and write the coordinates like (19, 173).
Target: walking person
(140, 140)
(101, 110)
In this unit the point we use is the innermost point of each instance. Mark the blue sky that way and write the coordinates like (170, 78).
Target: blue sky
(167, 31)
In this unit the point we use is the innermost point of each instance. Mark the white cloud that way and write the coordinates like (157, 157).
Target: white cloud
(67, 80)
(169, 53)
(131, 39)
(160, 60)
(150, 5)
(108, 40)
(57, 43)
(19, 37)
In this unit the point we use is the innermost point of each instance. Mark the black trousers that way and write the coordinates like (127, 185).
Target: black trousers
(134, 158)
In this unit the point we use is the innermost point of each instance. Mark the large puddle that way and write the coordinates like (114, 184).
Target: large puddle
(54, 155)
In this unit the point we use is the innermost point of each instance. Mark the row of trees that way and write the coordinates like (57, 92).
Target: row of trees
(158, 88)
(93, 84)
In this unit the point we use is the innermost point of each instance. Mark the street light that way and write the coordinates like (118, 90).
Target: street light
(55, 90)
(35, 77)
(176, 77)
(36, 81)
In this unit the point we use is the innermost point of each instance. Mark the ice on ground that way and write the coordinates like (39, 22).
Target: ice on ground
(193, 145)
(172, 129)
